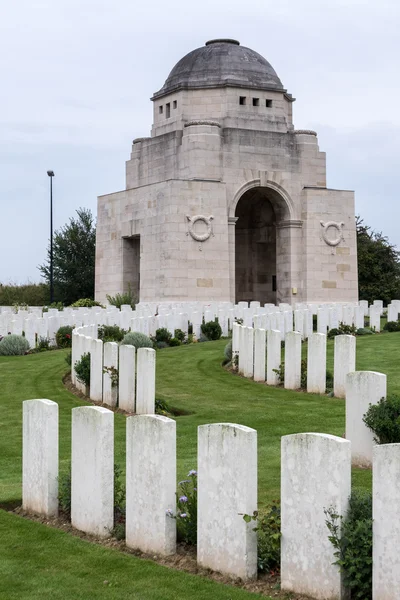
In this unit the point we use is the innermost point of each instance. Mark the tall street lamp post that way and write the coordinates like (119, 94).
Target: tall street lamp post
(51, 175)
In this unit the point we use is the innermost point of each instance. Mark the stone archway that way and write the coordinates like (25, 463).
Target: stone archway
(265, 244)
(255, 248)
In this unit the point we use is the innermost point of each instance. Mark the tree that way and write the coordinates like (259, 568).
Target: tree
(73, 259)
(378, 265)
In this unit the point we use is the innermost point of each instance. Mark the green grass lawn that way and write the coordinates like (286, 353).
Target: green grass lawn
(191, 379)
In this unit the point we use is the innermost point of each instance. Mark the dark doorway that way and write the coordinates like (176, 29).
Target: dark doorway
(255, 248)
(131, 265)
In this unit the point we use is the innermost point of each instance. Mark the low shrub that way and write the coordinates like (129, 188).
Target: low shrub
(111, 333)
(342, 330)
(64, 492)
(68, 358)
(383, 419)
(162, 407)
(391, 326)
(228, 352)
(82, 369)
(329, 380)
(13, 345)
(351, 537)
(212, 330)
(163, 335)
(43, 344)
(186, 512)
(333, 332)
(180, 335)
(125, 298)
(58, 305)
(161, 345)
(137, 339)
(64, 337)
(268, 530)
(364, 331)
(86, 303)
(174, 342)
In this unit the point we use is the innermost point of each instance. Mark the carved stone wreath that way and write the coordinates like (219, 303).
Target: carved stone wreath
(200, 237)
(338, 226)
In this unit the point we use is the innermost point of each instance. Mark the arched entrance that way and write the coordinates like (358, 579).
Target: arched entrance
(259, 245)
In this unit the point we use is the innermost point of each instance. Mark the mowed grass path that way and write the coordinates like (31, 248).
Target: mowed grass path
(190, 379)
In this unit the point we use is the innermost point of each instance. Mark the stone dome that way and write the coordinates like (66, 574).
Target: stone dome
(221, 63)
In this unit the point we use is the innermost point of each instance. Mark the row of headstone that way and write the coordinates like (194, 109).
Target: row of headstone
(315, 475)
(148, 317)
(260, 357)
(119, 375)
(227, 467)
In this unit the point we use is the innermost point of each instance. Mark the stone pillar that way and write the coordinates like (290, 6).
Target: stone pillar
(248, 346)
(96, 370)
(292, 360)
(315, 474)
(151, 484)
(333, 318)
(362, 389)
(40, 457)
(364, 305)
(316, 364)
(92, 470)
(344, 362)
(242, 355)
(146, 381)
(126, 380)
(259, 354)
(110, 391)
(273, 356)
(227, 489)
(386, 522)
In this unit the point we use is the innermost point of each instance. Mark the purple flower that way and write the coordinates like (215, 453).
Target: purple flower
(183, 515)
(169, 512)
(192, 472)
(183, 499)
(195, 489)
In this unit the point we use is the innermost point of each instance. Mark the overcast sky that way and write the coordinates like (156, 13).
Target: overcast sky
(76, 77)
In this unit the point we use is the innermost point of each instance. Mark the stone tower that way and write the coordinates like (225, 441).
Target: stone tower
(226, 200)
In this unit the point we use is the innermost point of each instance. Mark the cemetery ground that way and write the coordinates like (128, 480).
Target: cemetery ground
(37, 561)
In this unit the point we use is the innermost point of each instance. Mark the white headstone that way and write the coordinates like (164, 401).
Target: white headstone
(292, 360)
(126, 396)
(316, 364)
(146, 381)
(273, 356)
(259, 354)
(248, 345)
(362, 389)
(110, 362)
(315, 475)
(386, 522)
(96, 370)
(344, 362)
(40, 457)
(151, 484)
(227, 489)
(92, 470)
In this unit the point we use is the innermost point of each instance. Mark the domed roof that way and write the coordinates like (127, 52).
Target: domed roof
(221, 63)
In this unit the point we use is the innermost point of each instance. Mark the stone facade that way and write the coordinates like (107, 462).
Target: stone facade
(226, 200)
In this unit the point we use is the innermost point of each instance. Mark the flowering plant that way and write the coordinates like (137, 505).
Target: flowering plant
(186, 513)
